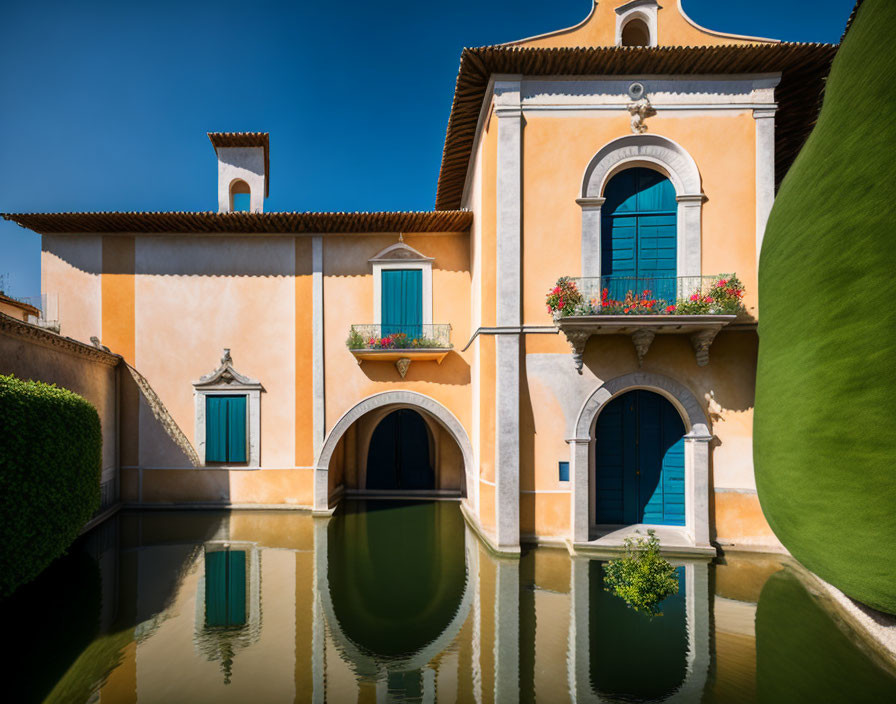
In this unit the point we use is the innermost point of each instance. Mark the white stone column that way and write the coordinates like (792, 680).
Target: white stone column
(318, 631)
(508, 312)
(318, 392)
(690, 207)
(579, 465)
(696, 471)
(507, 631)
(591, 235)
(579, 646)
(765, 170)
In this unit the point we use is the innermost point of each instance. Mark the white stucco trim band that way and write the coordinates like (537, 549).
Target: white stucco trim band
(765, 170)
(508, 311)
(318, 378)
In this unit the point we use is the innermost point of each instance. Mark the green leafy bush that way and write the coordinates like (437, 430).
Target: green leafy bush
(642, 578)
(50, 463)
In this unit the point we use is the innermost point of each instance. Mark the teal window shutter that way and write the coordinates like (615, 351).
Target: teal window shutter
(402, 302)
(236, 429)
(225, 429)
(225, 588)
(236, 588)
(215, 428)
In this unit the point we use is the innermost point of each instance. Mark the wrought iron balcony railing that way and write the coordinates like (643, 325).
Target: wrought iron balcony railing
(400, 337)
(669, 295)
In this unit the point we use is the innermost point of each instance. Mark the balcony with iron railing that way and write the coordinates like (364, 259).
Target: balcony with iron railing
(400, 344)
(643, 307)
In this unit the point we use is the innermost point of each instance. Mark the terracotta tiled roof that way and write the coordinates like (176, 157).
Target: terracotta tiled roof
(246, 139)
(27, 307)
(804, 68)
(209, 222)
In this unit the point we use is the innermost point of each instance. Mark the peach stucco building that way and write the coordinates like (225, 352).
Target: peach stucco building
(635, 146)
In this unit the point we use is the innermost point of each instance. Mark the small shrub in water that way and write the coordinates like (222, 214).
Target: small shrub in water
(642, 578)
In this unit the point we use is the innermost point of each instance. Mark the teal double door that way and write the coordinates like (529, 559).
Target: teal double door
(639, 461)
(402, 302)
(639, 238)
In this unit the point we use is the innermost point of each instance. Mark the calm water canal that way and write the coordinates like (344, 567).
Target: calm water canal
(400, 602)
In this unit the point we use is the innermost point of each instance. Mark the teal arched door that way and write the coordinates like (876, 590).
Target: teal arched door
(639, 234)
(639, 461)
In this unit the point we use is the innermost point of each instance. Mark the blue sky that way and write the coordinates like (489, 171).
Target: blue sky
(106, 104)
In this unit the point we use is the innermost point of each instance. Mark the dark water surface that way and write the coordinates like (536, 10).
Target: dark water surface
(398, 601)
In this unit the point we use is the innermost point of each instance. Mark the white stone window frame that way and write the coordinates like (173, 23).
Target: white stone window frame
(644, 10)
(226, 381)
(401, 256)
(657, 153)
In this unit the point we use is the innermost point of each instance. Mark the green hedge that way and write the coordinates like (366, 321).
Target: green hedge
(825, 419)
(50, 464)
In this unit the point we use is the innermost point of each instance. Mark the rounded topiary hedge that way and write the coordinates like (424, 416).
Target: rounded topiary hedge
(50, 457)
(825, 417)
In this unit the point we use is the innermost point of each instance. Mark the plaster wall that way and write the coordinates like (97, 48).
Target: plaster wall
(13, 311)
(348, 300)
(194, 296)
(558, 148)
(554, 394)
(674, 28)
(70, 267)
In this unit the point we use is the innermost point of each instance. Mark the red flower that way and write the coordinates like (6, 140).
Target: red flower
(670, 309)
(695, 297)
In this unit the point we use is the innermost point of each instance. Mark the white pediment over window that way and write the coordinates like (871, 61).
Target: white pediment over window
(399, 252)
(226, 377)
(227, 381)
(401, 256)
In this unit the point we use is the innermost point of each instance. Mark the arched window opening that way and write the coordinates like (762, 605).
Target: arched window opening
(240, 197)
(635, 33)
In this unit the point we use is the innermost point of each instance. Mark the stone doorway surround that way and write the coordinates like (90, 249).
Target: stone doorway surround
(585, 536)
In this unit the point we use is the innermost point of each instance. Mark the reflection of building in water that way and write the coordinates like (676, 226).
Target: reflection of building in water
(613, 642)
(397, 602)
(228, 602)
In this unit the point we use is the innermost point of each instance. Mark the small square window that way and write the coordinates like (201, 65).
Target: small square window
(564, 471)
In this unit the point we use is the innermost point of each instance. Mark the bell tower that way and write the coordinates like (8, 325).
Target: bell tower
(243, 170)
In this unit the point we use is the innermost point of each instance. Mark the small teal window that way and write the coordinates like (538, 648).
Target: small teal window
(564, 471)
(225, 588)
(241, 202)
(225, 429)
(240, 197)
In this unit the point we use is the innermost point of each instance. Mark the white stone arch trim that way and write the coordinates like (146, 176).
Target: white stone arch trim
(401, 256)
(661, 154)
(376, 417)
(696, 456)
(407, 399)
(644, 10)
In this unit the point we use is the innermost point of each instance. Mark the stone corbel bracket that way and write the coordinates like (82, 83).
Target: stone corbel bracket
(701, 330)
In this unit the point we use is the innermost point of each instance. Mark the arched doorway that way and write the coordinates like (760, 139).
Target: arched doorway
(639, 235)
(399, 454)
(639, 461)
